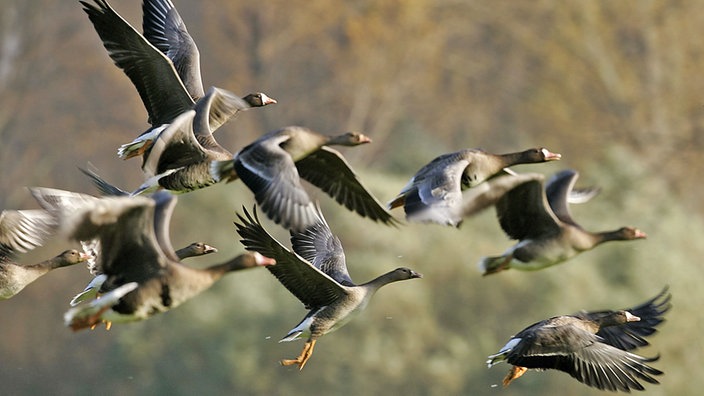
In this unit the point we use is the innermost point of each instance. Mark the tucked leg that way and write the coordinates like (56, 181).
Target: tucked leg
(108, 325)
(515, 372)
(501, 266)
(90, 321)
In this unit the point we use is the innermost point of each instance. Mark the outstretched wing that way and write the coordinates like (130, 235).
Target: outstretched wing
(629, 336)
(151, 72)
(317, 245)
(329, 171)
(309, 284)
(165, 30)
(23, 230)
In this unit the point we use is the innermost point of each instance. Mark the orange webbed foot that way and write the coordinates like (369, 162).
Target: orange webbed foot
(88, 322)
(301, 360)
(515, 372)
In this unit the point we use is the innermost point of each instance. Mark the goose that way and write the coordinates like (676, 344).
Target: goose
(217, 104)
(272, 166)
(540, 219)
(21, 231)
(194, 249)
(92, 247)
(592, 347)
(164, 66)
(129, 228)
(434, 193)
(316, 273)
(15, 276)
(180, 160)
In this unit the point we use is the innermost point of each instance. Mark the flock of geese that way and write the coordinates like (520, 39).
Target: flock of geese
(138, 273)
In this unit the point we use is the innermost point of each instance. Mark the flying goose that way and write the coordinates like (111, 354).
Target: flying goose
(273, 165)
(435, 193)
(129, 228)
(316, 273)
(540, 219)
(179, 159)
(592, 347)
(164, 67)
(92, 248)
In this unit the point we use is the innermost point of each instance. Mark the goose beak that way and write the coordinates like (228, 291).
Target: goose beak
(641, 235)
(83, 256)
(207, 249)
(416, 274)
(267, 100)
(550, 156)
(631, 318)
(263, 260)
(364, 139)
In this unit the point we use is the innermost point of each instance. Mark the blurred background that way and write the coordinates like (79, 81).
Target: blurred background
(614, 87)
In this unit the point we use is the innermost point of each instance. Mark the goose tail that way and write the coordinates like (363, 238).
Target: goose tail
(223, 170)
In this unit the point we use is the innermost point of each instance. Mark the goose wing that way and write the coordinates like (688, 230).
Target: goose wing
(23, 230)
(439, 184)
(630, 335)
(165, 30)
(524, 213)
(151, 72)
(566, 347)
(319, 246)
(217, 107)
(105, 188)
(484, 195)
(558, 191)
(328, 170)
(309, 284)
(272, 176)
(165, 203)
